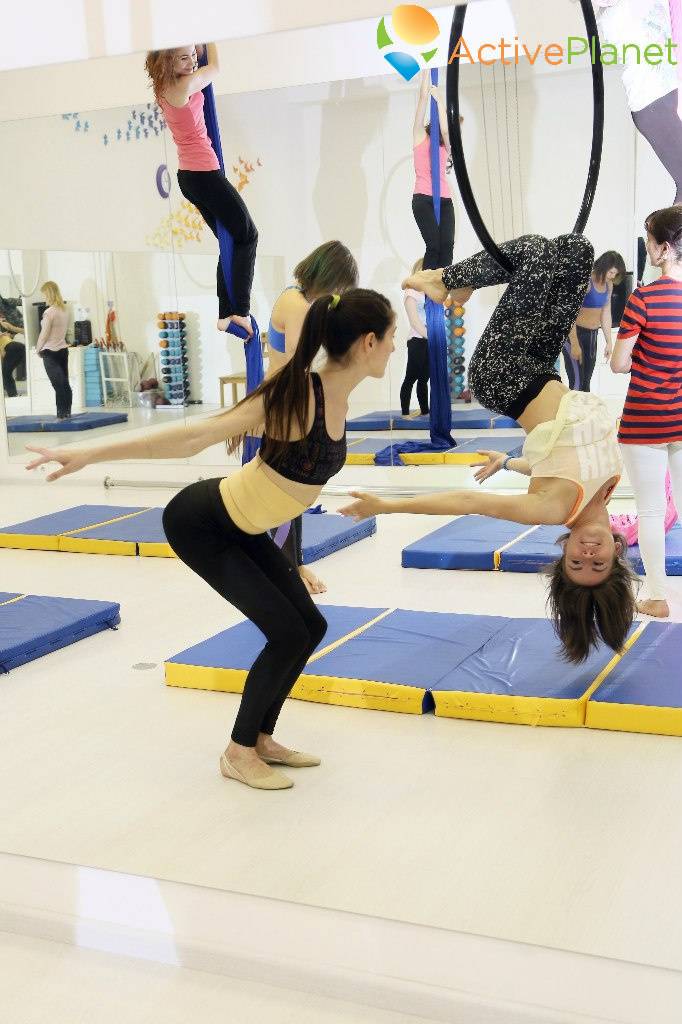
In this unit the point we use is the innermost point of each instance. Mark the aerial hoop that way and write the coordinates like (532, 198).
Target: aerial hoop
(455, 132)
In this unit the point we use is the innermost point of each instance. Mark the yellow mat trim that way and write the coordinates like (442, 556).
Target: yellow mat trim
(497, 555)
(82, 545)
(349, 693)
(155, 549)
(462, 458)
(349, 636)
(359, 693)
(201, 677)
(608, 669)
(634, 718)
(422, 458)
(481, 707)
(29, 541)
(360, 459)
(12, 600)
(105, 522)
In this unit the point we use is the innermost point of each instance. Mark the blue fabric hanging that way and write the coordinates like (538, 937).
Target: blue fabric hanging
(252, 346)
(440, 420)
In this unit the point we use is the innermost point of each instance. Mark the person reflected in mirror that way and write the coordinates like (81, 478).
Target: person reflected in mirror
(330, 268)
(649, 348)
(439, 238)
(417, 370)
(580, 348)
(52, 348)
(178, 81)
(12, 344)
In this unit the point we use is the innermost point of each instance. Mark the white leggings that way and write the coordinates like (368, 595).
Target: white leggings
(647, 465)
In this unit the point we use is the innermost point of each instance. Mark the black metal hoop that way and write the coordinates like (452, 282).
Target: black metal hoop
(455, 132)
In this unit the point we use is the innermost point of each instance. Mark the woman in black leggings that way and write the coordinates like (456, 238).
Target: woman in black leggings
(439, 236)
(178, 82)
(219, 528)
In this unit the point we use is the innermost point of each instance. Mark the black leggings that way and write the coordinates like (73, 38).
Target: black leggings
(580, 373)
(217, 200)
(517, 352)
(662, 128)
(251, 573)
(13, 356)
(417, 370)
(57, 369)
(438, 238)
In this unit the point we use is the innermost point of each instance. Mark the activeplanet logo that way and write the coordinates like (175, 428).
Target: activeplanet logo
(415, 26)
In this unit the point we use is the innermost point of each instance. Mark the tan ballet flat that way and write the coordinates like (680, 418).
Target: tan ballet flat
(275, 780)
(295, 759)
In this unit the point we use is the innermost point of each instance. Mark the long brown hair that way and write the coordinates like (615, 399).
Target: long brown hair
(159, 65)
(610, 260)
(583, 615)
(329, 268)
(329, 324)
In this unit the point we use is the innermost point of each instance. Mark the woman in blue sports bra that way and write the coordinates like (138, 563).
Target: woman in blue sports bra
(329, 269)
(580, 348)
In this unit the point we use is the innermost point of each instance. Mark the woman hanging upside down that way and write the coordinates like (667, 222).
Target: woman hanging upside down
(571, 452)
(219, 528)
(177, 82)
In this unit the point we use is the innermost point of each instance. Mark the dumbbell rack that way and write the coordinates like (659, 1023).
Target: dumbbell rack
(173, 357)
(455, 330)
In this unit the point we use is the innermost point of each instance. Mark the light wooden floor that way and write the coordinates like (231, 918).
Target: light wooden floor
(564, 838)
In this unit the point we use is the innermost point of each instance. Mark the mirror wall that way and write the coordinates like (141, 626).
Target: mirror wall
(104, 218)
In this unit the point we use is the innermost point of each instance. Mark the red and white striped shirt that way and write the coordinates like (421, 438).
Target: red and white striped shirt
(653, 406)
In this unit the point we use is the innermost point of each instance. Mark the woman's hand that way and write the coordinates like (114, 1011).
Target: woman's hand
(491, 463)
(365, 506)
(608, 352)
(576, 353)
(70, 460)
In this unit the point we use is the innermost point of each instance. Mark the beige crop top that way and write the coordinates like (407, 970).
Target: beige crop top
(580, 445)
(254, 502)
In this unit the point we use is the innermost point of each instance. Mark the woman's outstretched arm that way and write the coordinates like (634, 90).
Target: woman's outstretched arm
(180, 441)
(533, 509)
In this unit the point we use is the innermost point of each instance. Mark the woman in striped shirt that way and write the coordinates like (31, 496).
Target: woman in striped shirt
(649, 348)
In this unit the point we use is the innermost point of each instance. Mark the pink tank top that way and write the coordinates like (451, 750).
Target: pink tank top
(188, 128)
(422, 168)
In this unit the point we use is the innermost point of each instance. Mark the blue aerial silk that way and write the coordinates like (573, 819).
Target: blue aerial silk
(252, 346)
(440, 400)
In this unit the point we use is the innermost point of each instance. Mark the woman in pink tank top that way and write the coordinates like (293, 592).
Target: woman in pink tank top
(438, 238)
(177, 82)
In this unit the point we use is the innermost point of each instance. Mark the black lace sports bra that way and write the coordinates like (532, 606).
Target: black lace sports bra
(315, 458)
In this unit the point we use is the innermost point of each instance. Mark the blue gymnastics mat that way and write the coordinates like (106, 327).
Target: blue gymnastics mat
(462, 419)
(44, 532)
(477, 542)
(539, 548)
(124, 530)
(644, 691)
(32, 626)
(325, 533)
(469, 542)
(488, 668)
(79, 421)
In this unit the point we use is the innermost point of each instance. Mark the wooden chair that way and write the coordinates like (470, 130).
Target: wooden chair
(235, 379)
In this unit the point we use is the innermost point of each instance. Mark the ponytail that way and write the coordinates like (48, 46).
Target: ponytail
(333, 323)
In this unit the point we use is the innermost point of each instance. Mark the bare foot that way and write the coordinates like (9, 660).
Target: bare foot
(241, 321)
(657, 609)
(248, 759)
(460, 296)
(313, 583)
